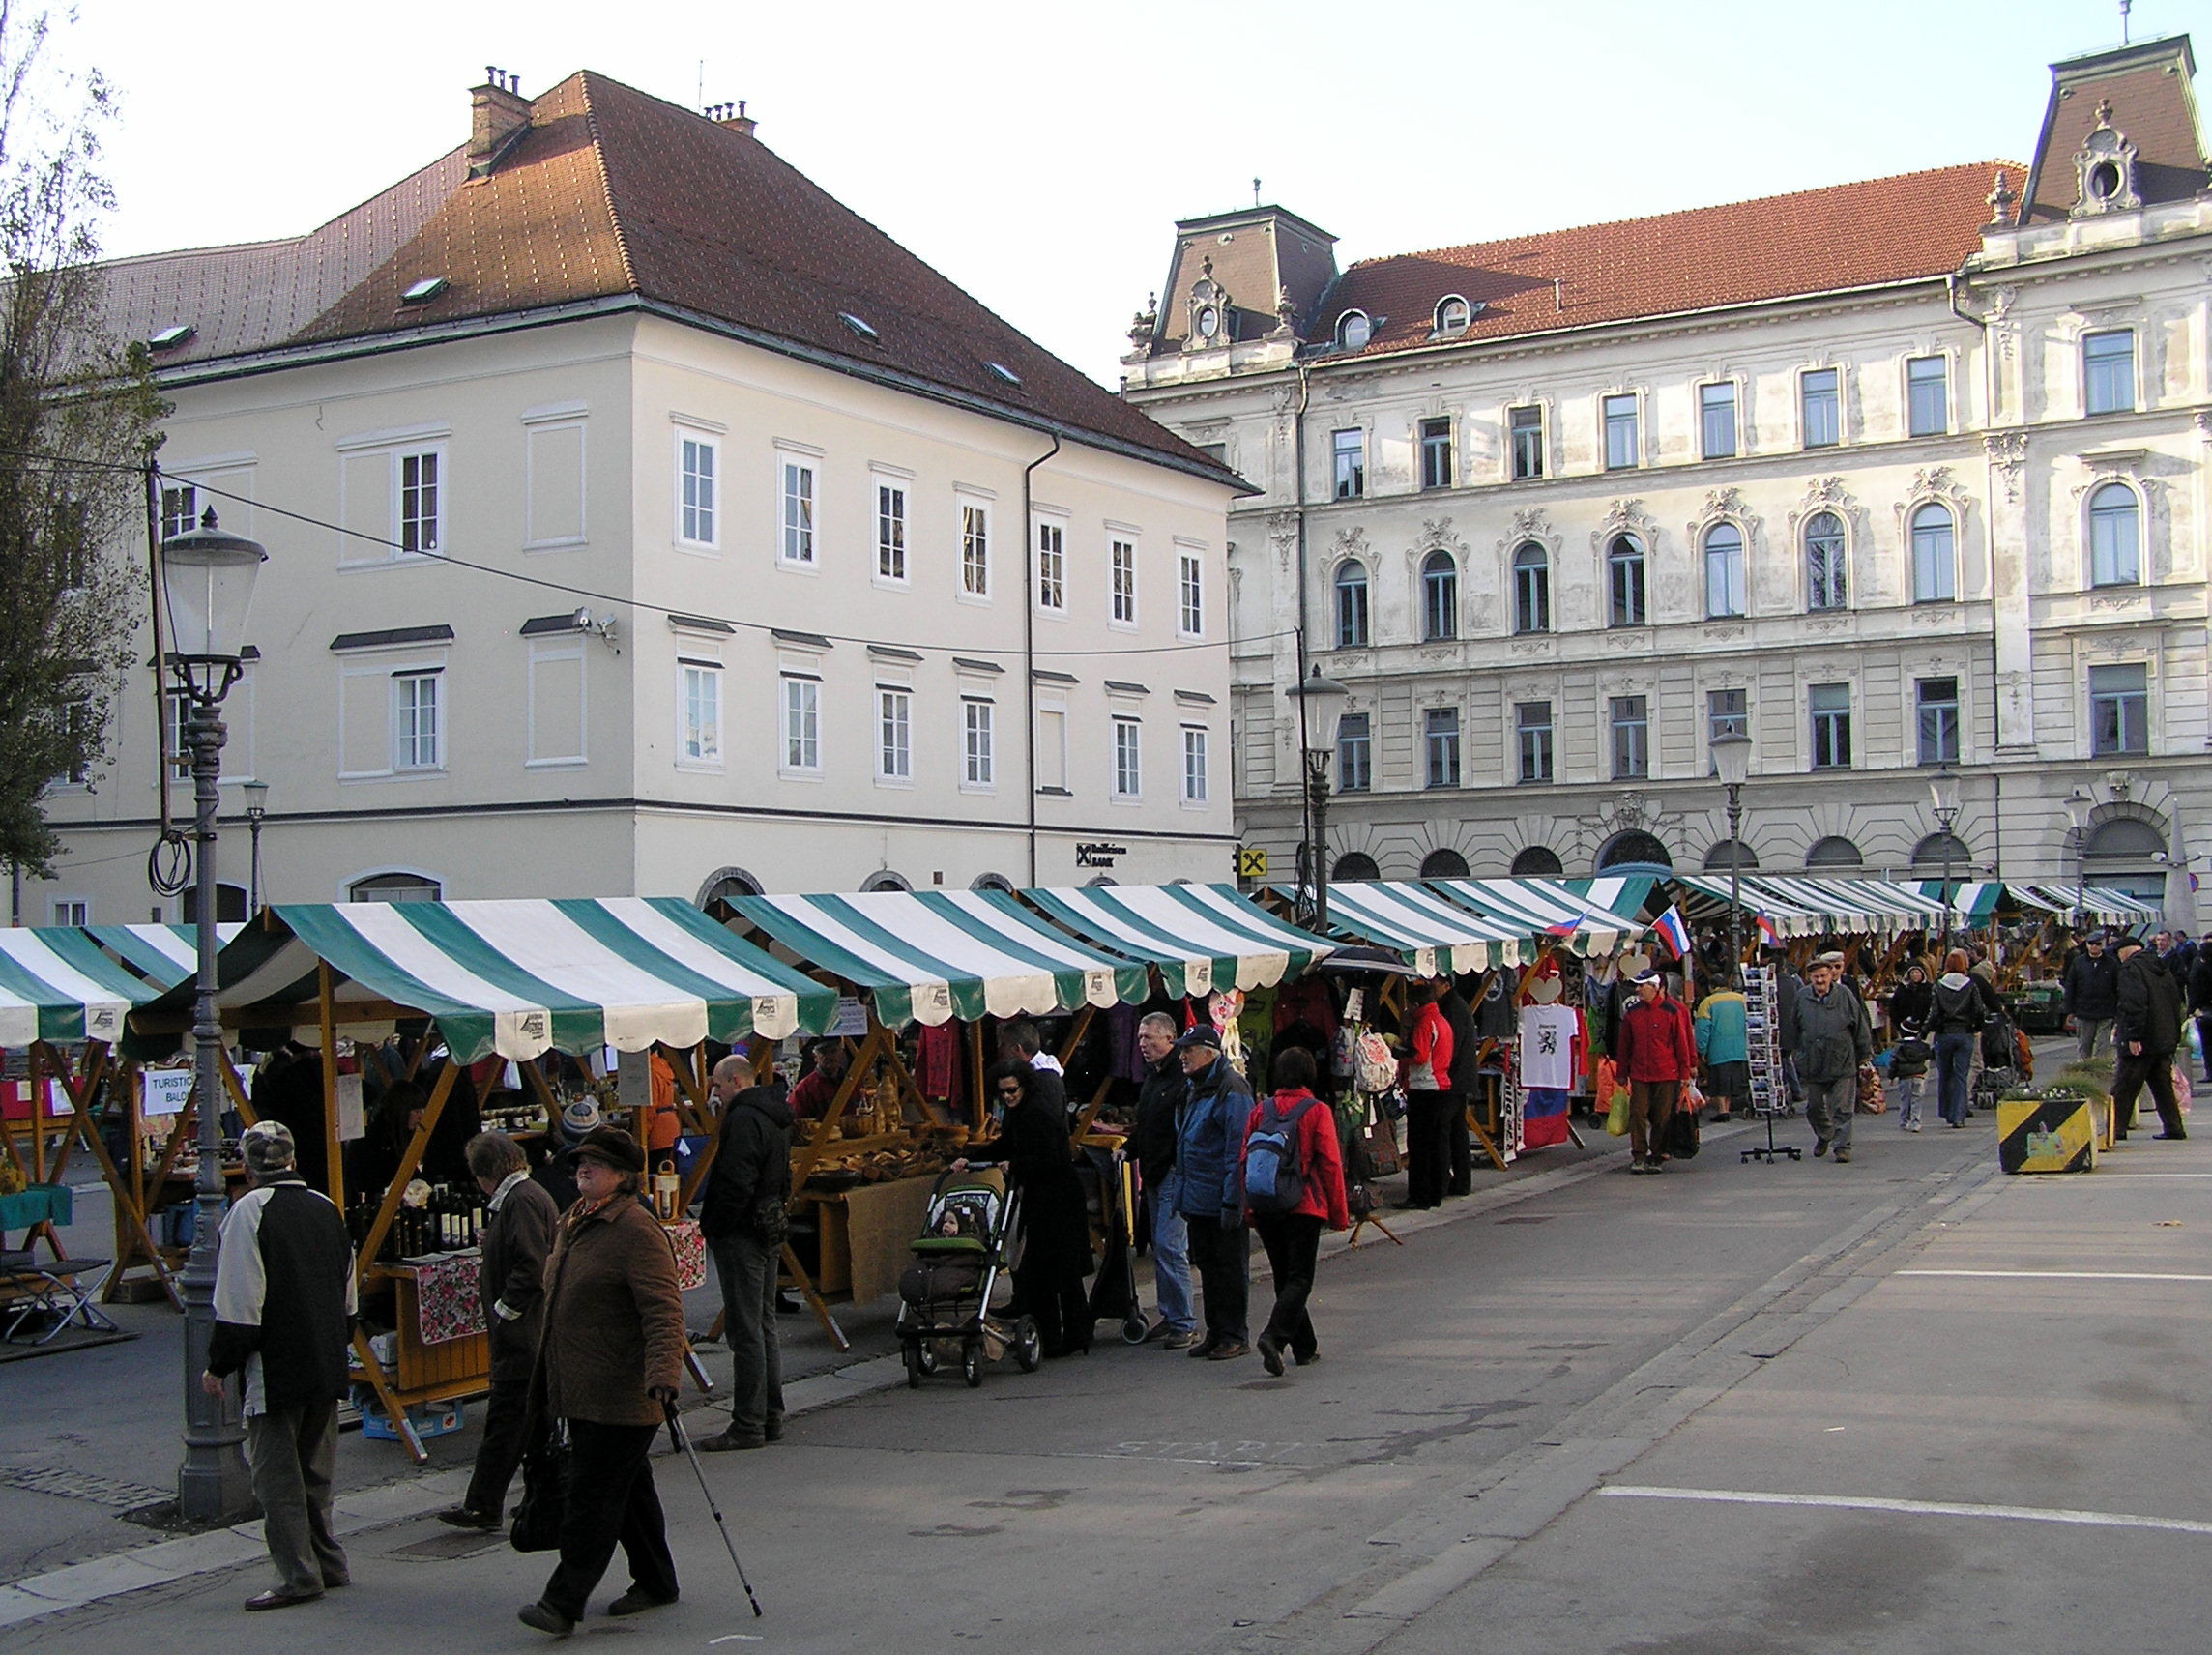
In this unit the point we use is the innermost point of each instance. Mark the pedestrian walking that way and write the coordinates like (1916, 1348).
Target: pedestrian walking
(1209, 1135)
(520, 1219)
(1832, 1042)
(2091, 988)
(2200, 1002)
(1466, 1082)
(1056, 1224)
(283, 1300)
(2147, 1033)
(608, 1368)
(1656, 1054)
(1955, 1020)
(1910, 1053)
(748, 1191)
(1723, 1030)
(1153, 1141)
(1428, 1101)
(1304, 1196)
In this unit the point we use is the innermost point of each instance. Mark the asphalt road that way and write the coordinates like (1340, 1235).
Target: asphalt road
(1708, 1412)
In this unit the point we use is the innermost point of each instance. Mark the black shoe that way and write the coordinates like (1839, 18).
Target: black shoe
(789, 1303)
(1229, 1350)
(1270, 1355)
(772, 1430)
(1204, 1348)
(723, 1442)
(277, 1598)
(1305, 1358)
(545, 1618)
(463, 1517)
(2169, 1135)
(636, 1601)
(1821, 1146)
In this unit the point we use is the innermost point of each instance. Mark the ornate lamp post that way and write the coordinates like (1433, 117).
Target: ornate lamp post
(2079, 805)
(206, 587)
(1311, 686)
(1732, 762)
(256, 811)
(1943, 796)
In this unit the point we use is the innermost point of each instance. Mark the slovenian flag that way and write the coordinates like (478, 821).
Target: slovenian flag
(1672, 932)
(1767, 930)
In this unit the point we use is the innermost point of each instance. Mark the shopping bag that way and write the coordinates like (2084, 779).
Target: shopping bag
(1616, 1113)
(536, 1525)
(2181, 1087)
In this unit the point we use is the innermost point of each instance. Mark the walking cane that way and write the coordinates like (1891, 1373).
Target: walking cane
(682, 1442)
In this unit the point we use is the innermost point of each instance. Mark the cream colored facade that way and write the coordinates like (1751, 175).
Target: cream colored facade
(651, 756)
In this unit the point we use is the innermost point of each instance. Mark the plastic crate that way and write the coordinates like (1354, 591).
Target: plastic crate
(429, 1419)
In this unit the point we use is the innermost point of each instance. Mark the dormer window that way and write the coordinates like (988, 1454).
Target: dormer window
(2104, 167)
(858, 327)
(1003, 374)
(170, 339)
(1354, 329)
(1453, 314)
(424, 291)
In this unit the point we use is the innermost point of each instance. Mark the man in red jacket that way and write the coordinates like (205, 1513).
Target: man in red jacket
(1657, 1054)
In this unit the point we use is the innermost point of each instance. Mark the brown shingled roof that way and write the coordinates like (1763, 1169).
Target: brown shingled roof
(2154, 107)
(1883, 230)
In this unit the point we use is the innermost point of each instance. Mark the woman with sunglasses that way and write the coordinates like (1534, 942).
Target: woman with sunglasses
(1056, 1228)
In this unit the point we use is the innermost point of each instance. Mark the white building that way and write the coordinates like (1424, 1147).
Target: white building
(642, 520)
(1890, 476)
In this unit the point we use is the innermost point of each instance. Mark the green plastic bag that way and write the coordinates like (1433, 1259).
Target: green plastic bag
(1617, 1117)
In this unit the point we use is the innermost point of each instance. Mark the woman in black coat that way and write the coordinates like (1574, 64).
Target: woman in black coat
(1056, 1225)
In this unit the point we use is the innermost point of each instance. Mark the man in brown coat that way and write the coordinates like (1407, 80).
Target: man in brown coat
(611, 1357)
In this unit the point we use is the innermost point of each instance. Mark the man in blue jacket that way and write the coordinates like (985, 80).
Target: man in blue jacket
(1209, 1147)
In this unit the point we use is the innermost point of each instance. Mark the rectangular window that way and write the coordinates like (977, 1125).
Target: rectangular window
(698, 463)
(1716, 420)
(1525, 429)
(1939, 704)
(1052, 749)
(1728, 712)
(1190, 606)
(702, 689)
(418, 727)
(180, 508)
(974, 550)
(2108, 372)
(1355, 754)
(976, 735)
(797, 519)
(895, 733)
(1631, 737)
(801, 724)
(890, 532)
(71, 911)
(1440, 733)
(1052, 566)
(1349, 451)
(1928, 397)
(1194, 779)
(419, 502)
(1620, 444)
(1121, 562)
(180, 711)
(1831, 709)
(2119, 711)
(1532, 735)
(1820, 409)
(1128, 758)
(1435, 453)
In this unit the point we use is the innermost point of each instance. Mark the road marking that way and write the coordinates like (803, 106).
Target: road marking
(2064, 1275)
(2103, 1178)
(1914, 1508)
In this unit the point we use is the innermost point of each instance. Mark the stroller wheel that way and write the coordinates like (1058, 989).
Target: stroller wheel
(1134, 1327)
(1029, 1346)
(925, 1357)
(971, 1365)
(913, 1368)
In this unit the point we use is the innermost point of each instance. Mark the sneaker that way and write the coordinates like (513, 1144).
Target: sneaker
(1180, 1341)
(1819, 1147)
(1158, 1331)
(1915, 1126)
(1842, 1155)
(1657, 1163)
(1637, 1165)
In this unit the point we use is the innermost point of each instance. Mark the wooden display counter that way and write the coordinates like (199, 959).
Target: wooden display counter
(866, 1233)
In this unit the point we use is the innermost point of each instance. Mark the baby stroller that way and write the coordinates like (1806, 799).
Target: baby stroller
(2007, 1062)
(966, 1244)
(1109, 1187)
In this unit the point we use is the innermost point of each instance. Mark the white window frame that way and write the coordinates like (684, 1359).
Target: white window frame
(179, 506)
(1055, 710)
(545, 652)
(1190, 591)
(71, 911)
(440, 485)
(406, 759)
(1049, 552)
(710, 445)
(1635, 400)
(894, 735)
(1197, 780)
(798, 717)
(1804, 443)
(1127, 753)
(897, 514)
(699, 671)
(1122, 581)
(975, 512)
(798, 533)
(978, 745)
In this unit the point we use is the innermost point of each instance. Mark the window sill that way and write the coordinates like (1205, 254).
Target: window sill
(578, 762)
(980, 788)
(892, 582)
(568, 543)
(798, 566)
(785, 775)
(980, 599)
(1056, 793)
(1123, 626)
(697, 767)
(698, 548)
(897, 783)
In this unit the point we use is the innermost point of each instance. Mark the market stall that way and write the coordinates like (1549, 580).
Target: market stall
(1431, 935)
(1590, 916)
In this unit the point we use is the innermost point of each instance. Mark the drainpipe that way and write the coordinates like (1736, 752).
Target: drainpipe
(1298, 515)
(1029, 643)
(1951, 284)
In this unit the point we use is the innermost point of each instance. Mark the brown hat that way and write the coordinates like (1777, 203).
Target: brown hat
(612, 1145)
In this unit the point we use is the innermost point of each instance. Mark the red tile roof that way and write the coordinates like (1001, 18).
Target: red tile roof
(1883, 230)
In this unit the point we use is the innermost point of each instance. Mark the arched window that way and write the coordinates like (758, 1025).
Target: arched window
(1443, 864)
(1440, 597)
(1453, 314)
(1834, 852)
(1531, 589)
(1939, 850)
(1354, 329)
(229, 904)
(1934, 563)
(1634, 845)
(1098, 881)
(2115, 536)
(1355, 865)
(1724, 572)
(1538, 862)
(1627, 603)
(1731, 853)
(2126, 853)
(722, 885)
(883, 879)
(395, 888)
(991, 882)
(1352, 606)
(1825, 586)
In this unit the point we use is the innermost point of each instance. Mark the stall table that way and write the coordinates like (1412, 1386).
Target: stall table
(867, 1233)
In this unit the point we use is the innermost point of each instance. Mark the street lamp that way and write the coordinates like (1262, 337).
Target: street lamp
(256, 812)
(2079, 805)
(205, 589)
(1944, 796)
(1313, 685)
(1732, 763)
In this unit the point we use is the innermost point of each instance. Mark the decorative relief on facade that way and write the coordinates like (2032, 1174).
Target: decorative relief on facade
(1933, 484)
(1350, 543)
(1726, 505)
(1438, 532)
(1626, 517)
(2008, 455)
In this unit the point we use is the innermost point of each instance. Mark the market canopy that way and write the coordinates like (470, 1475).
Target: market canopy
(164, 956)
(2101, 903)
(1201, 937)
(930, 956)
(1973, 902)
(1429, 934)
(56, 985)
(1594, 918)
(515, 977)
(1778, 919)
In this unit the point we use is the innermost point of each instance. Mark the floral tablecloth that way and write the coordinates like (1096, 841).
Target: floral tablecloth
(690, 1253)
(446, 1298)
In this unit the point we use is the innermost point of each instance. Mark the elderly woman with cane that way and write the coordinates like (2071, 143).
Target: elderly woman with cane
(607, 1370)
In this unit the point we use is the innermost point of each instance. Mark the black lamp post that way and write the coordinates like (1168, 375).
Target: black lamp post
(1732, 762)
(1943, 796)
(2079, 805)
(1314, 761)
(256, 812)
(206, 589)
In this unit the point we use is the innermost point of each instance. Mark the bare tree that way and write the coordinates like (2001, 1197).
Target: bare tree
(78, 419)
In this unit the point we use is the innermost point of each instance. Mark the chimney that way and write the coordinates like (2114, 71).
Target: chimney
(732, 116)
(498, 115)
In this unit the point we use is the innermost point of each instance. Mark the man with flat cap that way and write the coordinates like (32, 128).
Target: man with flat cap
(2146, 1035)
(1210, 1146)
(1833, 1040)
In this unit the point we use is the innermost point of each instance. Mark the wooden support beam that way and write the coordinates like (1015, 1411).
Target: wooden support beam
(327, 1024)
(410, 1159)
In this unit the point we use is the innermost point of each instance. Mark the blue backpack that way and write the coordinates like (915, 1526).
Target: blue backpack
(1274, 1181)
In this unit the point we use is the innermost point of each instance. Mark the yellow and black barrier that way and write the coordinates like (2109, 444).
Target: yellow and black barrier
(2045, 1134)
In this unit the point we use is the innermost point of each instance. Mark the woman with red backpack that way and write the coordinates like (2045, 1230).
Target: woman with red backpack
(1293, 1188)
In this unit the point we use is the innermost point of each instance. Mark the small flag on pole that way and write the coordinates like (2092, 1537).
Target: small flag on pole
(1672, 932)
(1766, 930)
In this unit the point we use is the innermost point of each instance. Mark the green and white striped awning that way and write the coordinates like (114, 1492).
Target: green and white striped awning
(930, 956)
(164, 956)
(1709, 895)
(1592, 920)
(56, 985)
(2100, 903)
(1851, 905)
(1429, 934)
(518, 978)
(1973, 902)
(1201, 937)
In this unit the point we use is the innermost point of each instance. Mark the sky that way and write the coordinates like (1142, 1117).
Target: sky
(1039, 154)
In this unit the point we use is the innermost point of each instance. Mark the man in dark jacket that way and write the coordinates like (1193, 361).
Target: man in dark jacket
(748, 1189)
(1210, 1146)
(2145, 1034)
(510, 1284)
(1159, 1102)
(1466, 1082)
(2092, 989)
(1832, 1042)
(2200, 1001)
(283, 1300)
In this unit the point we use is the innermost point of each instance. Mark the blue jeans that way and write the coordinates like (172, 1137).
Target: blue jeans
(1907, 1089)
(1170, 1256)
(1954, 1063)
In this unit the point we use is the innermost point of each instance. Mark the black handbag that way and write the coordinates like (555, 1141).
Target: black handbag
(1681, 1138)
(536, 1525)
